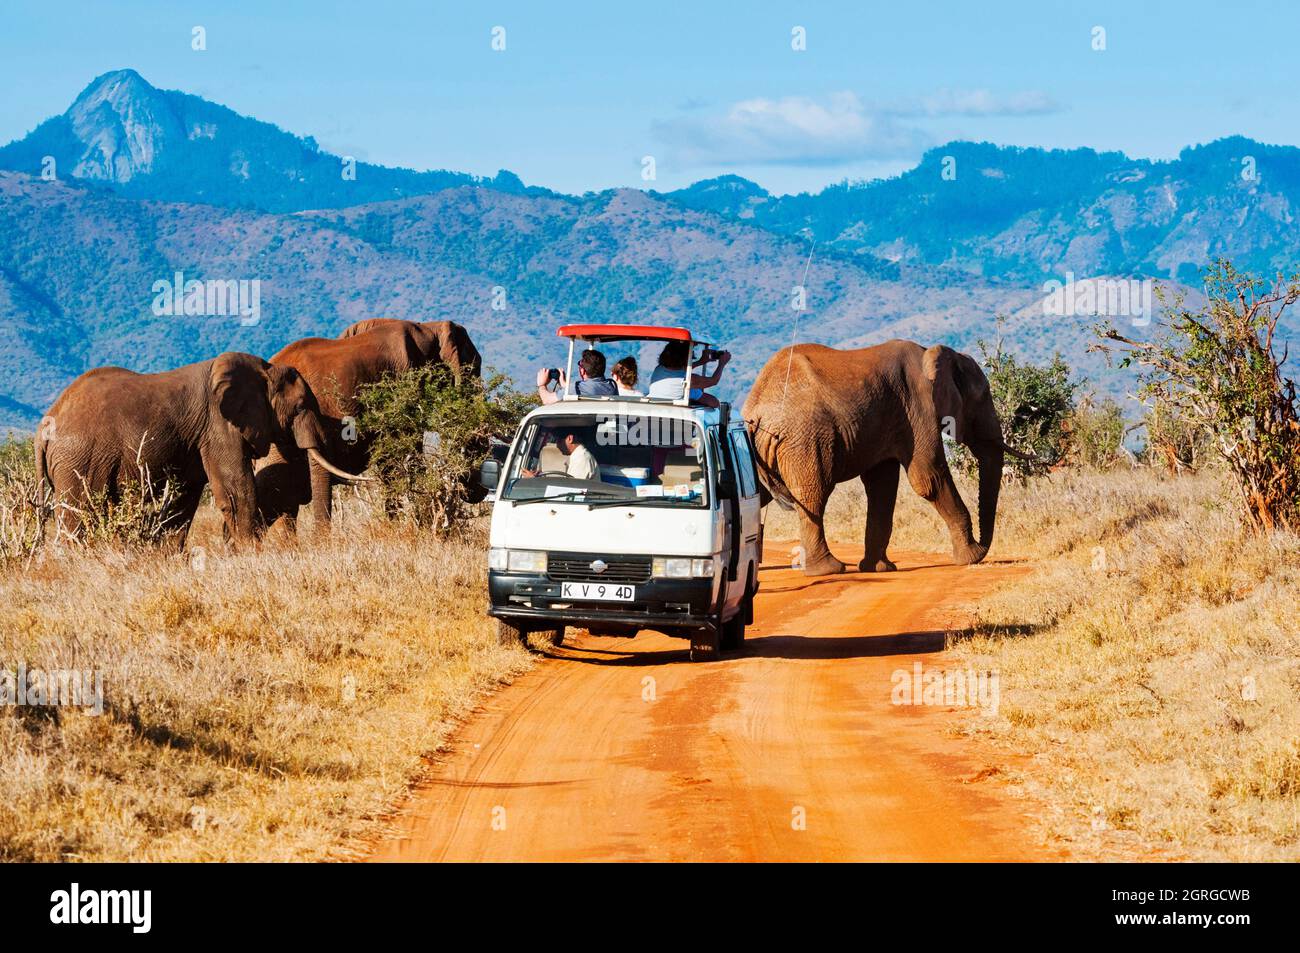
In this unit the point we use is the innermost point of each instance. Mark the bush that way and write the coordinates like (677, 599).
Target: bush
(1096, 433)
(429, 433)
(24, 502)
(1217, 369)
(139, 513)
(1033, 402)
(1173, 440)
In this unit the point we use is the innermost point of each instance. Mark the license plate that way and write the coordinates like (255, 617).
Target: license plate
(602, 591)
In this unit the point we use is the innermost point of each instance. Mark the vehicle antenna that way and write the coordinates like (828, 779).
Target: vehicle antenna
(794, 331)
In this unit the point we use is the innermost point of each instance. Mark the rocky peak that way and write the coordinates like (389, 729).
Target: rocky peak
(125, 125)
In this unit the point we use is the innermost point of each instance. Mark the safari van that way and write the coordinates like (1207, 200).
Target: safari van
(663, 533)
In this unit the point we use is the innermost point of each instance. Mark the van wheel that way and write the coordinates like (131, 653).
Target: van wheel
(733, 632)
(554, 635)
(511, 633)
(705, 644)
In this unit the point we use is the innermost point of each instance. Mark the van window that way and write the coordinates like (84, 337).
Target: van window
(640, 459)
(744, 462)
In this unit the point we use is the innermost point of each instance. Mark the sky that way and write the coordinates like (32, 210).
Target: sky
(583, 93)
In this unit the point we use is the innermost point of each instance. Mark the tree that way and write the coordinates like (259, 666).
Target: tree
(1218, 369)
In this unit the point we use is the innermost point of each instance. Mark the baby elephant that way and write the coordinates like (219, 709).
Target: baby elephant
(200, 424)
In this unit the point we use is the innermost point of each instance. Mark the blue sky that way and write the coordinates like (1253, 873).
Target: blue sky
(583, 91)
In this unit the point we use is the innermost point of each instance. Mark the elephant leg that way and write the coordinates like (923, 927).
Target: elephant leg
(933, 481)
(181, 517)
(321, 498)
(817, 557)
(283, 487)
(881, 482)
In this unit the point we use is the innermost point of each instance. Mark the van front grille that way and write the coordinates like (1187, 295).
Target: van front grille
(576, 567)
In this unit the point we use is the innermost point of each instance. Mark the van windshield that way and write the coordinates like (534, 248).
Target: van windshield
(639, 460)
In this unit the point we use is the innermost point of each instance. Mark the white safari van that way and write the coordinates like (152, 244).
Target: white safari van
(662, 530)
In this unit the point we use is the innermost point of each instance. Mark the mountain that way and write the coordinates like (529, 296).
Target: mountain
(147, 143)
(78, 267)
(1024, 215)
(152, 183)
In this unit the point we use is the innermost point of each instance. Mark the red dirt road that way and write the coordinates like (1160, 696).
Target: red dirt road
(622, 749)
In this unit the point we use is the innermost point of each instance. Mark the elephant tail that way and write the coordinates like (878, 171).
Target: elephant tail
(771, 486)
(42, 470)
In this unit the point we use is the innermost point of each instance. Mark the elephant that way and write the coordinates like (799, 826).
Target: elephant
(337, 369)
(198, 425)
(821, 416)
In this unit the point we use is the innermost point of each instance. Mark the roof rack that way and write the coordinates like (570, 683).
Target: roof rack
(601, 333)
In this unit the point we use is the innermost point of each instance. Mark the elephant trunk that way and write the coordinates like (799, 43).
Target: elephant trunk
(990, 456)
(308, 432)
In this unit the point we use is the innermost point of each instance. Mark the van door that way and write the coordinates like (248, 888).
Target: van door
(750, 512)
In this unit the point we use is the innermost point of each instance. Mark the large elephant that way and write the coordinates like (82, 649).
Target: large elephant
(198, 425)
(337, 369)
(821, 416)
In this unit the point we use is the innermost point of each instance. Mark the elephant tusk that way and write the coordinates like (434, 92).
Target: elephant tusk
(319, 458)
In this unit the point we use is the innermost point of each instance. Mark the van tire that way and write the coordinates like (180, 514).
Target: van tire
(733, 632)
(706, 644)
(511, 633)
(554, 635)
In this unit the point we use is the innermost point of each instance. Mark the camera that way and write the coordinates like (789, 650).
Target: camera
(710, 354)
(553, 375)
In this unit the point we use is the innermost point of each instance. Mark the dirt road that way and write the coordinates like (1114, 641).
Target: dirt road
(619, 749)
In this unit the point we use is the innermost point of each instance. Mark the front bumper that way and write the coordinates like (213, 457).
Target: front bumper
(671, 603)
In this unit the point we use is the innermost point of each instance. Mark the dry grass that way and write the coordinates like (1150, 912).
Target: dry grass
(1149, 666)
(262, 705)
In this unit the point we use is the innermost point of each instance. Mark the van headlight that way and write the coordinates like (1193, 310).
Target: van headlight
(680, 567)
(517, 560)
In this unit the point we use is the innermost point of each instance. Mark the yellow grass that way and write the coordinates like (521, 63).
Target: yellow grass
(276, 704)
(263, 705)
(1149, 665)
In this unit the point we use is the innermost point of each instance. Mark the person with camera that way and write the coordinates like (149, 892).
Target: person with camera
(592, 381)
(667, 380)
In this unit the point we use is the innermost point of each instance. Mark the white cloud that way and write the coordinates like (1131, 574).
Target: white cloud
(834, 130)
(794, 130)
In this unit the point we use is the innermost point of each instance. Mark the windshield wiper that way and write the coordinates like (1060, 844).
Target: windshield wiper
(642, 501)
(553, 497)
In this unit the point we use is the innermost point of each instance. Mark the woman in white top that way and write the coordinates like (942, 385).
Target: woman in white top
(668, 379)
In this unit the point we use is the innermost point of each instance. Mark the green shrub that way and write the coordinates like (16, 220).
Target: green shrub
(429, 433)
(1034, 403)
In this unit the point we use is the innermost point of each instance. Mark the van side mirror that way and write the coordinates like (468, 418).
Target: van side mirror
(489, 474)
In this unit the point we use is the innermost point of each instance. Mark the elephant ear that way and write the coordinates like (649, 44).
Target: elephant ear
(940, 367)
(457, 350)
(240, 392)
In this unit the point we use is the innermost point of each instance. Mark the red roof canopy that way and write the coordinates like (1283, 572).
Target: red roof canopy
(623, 332)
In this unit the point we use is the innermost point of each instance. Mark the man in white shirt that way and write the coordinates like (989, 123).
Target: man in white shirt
(581, 465)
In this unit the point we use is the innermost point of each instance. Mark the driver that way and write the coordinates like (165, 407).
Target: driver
(582, 464)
